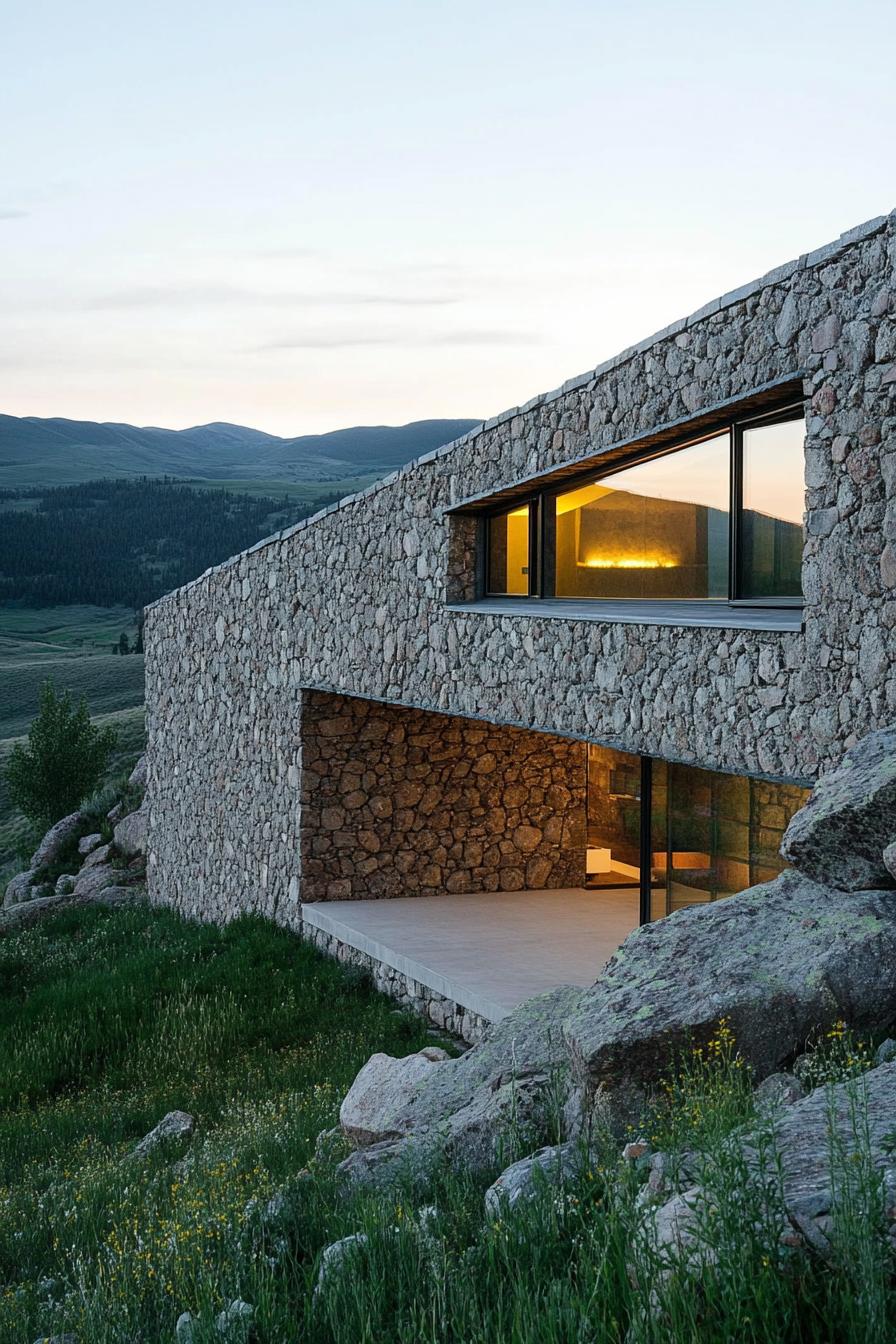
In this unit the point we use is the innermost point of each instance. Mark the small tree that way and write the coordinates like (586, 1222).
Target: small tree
(123, 643)
(64, 760)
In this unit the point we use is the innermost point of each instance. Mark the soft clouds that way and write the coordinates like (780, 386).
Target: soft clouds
(408, 339)
(218, 295)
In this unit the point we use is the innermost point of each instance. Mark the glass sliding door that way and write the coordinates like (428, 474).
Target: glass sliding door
(712, 834)
(613, 854)
(680, 834)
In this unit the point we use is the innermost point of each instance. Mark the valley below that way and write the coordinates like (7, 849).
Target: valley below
(97, 520)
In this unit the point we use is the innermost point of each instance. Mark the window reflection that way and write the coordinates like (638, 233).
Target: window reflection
(772, 516)
(713, 835)
(655, 530)
(508, 553)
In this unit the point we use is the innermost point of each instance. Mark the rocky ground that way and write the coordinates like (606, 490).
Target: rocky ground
(84, 859)
(728, 1083)
(781, 965)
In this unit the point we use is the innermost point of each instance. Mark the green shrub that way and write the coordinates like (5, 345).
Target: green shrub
(64, 760)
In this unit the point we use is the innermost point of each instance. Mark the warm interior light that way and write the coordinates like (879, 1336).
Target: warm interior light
(625, 562)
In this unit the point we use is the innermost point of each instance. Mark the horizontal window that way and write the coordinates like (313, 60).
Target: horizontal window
(716, 519)
(658, 529)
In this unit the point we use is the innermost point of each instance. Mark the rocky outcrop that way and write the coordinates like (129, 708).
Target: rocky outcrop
(779, 1089)
(831, 1148)
(96, 871)
(376, 1106)
(840, 836)
(890, 860)
(94, 877)
(463, 1108)
(98, 855)
(57, 838)
(822, 1145)
(175, 1127)
(337, 1257)
(138, 776)
(130, 833)
(554, 1166)
(51, 848)
(20, 888)
(780, 961)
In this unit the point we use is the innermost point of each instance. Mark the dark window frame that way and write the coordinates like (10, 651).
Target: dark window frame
(535, 550)
(542, 516)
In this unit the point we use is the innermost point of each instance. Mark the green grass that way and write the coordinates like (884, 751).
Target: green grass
(110, 1019)
(260, 1036)
(303, 491)
(46, 631)
(72, 646)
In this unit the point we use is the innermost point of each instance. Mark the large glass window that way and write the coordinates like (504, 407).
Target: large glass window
(771, 519)
(655, 530)
(508, 553)
(682, 834)
(662, 528)
(613, 853)
(712, 834)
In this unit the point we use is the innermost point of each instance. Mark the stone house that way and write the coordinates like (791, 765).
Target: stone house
(573, 671)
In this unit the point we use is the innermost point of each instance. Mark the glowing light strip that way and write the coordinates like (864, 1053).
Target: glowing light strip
(621, 562)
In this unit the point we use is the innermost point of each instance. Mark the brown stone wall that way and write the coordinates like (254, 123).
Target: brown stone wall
(399, 802)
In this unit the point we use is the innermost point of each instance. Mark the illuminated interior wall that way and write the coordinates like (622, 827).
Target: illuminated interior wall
(614, 812)
(619, 544)
(404, 802)
(508, 553)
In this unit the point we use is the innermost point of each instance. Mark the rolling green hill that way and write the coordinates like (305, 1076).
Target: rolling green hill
(45, 452)
(71, 645)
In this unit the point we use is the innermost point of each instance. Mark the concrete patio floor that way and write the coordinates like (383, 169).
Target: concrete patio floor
(487, 951)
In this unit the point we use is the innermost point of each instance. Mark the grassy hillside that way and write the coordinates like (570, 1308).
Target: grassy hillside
(262, 1037)
(74, 649)
(313, 493)
(70, 645)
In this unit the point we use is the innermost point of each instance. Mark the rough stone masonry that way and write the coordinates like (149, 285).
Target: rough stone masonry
(357, 601)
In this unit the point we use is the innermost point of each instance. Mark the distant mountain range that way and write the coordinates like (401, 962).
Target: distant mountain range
(37, 452)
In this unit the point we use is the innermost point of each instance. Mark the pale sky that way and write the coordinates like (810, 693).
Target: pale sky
(300, 216)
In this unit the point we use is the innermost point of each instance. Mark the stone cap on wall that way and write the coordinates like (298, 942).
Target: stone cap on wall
(820, 256)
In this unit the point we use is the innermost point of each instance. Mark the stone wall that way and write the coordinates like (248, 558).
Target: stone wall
(355, 600)
(398, 802)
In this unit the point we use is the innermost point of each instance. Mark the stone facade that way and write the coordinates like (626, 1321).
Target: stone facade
(398, 802)
(356, 601)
